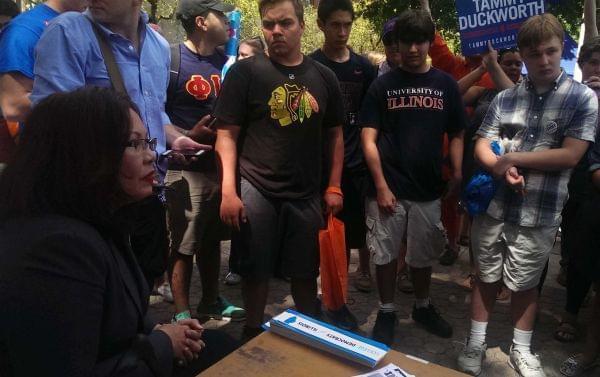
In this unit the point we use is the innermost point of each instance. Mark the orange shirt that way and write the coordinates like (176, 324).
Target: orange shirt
(455, 65)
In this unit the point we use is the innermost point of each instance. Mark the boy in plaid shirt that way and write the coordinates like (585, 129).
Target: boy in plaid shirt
(550, 120)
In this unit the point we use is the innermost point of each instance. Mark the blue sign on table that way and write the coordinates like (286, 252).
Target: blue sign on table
(498, 21)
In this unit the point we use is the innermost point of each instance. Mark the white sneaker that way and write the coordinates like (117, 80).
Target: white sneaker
(526, 364)
(165, 291)
(471, 358)
(232, 278)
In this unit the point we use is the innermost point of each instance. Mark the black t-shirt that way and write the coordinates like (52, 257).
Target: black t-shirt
(355, 77)
(282, 112)
(198, 85)
(412, 111)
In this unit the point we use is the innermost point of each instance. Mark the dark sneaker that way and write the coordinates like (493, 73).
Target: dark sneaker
(383, 331)
(430, 318)
(343, 318)
(363, 282)
(449, 257)
(219, 309)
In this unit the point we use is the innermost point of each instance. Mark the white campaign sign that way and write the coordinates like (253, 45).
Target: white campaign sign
(329, 336)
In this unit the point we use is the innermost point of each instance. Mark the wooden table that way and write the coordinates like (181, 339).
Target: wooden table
(273, 355)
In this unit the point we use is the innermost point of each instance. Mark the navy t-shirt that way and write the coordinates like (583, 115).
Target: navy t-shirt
(355, 77)
(198, 85)
(412, 111)
(18, 40)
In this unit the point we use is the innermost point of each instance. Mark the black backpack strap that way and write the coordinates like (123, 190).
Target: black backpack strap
(114, 74)
(174, 70)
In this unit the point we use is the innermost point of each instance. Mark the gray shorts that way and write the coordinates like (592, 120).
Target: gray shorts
(278, 232)
(419, 222)
(516, 254)
(193, 202)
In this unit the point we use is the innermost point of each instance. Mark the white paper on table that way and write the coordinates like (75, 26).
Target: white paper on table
(389, 370)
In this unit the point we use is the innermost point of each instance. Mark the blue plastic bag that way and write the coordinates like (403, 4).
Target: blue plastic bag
(481, 189)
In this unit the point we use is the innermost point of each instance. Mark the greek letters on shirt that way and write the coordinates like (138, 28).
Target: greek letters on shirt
(415, 98)
(201, 88)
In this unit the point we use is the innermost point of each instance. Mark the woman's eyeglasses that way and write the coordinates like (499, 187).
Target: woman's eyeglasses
(142, 144)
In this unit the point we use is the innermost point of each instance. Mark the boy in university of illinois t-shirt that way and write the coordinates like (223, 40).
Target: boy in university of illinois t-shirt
(404, 117)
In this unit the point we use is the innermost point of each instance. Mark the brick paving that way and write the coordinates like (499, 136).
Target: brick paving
(449, 296)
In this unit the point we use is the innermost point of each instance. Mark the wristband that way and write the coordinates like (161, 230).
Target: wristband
(181, 316)
(334, 190)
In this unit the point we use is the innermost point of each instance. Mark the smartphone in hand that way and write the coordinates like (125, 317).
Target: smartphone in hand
(188, 153)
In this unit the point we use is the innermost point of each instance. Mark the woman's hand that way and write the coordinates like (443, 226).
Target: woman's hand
(185, 339)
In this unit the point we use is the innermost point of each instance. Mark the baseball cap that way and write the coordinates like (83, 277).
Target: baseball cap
(388, 28)
(192, 8)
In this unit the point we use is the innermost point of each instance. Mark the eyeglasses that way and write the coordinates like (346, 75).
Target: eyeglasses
(142, 144)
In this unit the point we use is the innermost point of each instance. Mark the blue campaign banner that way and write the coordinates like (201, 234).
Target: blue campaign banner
(498, 21)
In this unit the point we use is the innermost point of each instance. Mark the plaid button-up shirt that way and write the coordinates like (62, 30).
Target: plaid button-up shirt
(538, 122)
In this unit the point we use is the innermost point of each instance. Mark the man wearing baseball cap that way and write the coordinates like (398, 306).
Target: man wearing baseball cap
(193, 191)
(189, 9)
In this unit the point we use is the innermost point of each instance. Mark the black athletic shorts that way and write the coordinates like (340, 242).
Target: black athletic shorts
(278, 230)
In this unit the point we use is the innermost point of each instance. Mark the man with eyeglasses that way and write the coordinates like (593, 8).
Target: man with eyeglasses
(68, 56)
(272, 114)
(193, 192)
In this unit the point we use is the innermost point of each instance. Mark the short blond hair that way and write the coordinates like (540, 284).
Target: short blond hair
(538, 29)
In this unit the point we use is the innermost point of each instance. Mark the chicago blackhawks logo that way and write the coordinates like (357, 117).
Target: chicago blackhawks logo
(201, 88)
(290, 103)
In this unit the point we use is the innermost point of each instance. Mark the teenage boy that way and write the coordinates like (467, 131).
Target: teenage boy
(404, 117)
(390, 47)
(193, 192)
(552, 119)
(272, 114)
(355, 74)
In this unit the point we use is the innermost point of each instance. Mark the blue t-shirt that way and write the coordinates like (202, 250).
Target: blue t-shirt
(18, 40)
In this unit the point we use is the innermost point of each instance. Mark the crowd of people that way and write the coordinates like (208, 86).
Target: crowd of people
(125, 159)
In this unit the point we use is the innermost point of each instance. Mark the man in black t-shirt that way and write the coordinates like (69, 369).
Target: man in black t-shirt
(193, 192)
(355, 74)
(271, 117)
(404, 117)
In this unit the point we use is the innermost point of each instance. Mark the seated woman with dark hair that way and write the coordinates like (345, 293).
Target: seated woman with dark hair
(73, 300)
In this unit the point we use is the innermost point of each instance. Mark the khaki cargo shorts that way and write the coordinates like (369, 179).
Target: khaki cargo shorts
(514, 253)
(419, 222)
